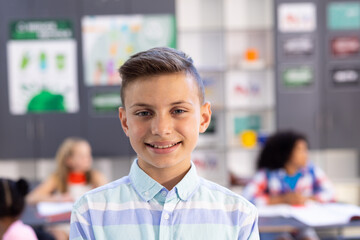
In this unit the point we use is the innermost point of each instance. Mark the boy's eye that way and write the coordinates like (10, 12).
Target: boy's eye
(178, 111)
(143, 114)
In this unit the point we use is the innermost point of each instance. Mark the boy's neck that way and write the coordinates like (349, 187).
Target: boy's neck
(167, 177)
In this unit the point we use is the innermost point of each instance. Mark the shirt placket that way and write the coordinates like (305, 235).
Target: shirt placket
(165, 230)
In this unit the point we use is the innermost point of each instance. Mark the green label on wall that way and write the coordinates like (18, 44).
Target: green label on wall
(343, 16)
(32, 30)
(298, 76)
(107, 102)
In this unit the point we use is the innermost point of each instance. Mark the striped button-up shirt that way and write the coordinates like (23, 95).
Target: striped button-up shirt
(138, 207)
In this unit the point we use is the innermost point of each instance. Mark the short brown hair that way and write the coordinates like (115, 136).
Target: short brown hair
(159, 60)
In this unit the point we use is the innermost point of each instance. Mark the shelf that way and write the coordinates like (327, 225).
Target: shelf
(248, 30)
(218, 50)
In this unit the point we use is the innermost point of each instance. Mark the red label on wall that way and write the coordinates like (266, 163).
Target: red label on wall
(345, 46)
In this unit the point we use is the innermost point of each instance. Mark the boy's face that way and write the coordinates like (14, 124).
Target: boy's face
(162, 118)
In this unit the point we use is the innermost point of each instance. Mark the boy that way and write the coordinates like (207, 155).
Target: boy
(163, 198)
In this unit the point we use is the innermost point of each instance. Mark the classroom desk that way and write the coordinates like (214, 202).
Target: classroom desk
(282, 224)
(279, 224)
(31, 217)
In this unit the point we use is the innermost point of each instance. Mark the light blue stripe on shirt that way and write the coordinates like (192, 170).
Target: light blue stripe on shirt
(137, 207)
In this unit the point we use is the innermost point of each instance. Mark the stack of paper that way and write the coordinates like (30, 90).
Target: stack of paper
(314, 214)
(53, 208)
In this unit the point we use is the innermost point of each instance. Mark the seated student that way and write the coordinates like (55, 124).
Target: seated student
(163, 197)
(72, 178)
(12, 203)
(73, 175)
(285, 176)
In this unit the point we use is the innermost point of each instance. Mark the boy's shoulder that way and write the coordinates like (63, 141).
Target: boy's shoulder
(106, 192)
(218, 193)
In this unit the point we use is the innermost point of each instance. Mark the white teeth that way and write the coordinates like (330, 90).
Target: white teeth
(162, 147)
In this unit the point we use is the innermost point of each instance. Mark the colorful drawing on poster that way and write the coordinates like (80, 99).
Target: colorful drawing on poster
(248, 89)
(298, 76)
(298, 46)
(297, 17)
(108, 41)
(105, 102)
(343, 16)
(345, 76)
(42, 67)
(345, 46)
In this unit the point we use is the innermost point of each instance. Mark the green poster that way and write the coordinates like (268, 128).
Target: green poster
(42, 71)
(343, 15)
(298, 76)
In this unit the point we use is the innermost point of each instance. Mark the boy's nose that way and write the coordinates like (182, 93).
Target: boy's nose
(161, 125)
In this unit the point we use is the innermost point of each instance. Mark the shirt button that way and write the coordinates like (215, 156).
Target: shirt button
(146, 193)
(163, 193)
(166, 216)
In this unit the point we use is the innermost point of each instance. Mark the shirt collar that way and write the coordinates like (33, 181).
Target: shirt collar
(187, 186)
(147, 187)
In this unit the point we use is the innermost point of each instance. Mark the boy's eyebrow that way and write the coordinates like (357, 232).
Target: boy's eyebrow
(181, 102)
(149, 106)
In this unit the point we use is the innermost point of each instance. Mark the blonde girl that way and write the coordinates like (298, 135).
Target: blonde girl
(73, 175)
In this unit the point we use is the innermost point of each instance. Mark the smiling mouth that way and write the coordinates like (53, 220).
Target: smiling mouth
(162, 147)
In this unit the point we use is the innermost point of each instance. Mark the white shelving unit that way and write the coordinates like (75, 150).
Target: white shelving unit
(217, 34)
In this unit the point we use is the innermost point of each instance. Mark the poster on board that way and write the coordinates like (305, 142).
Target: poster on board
(345, 76)
(345, 46)
(42, 73)
(251, 89)
(105, 102)
(297, 17)
(298, 46)
(108, 41)
(298, 76)
(343, 15)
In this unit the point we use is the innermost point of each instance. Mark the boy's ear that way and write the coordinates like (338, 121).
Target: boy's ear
(205, 116)
(123, 120)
